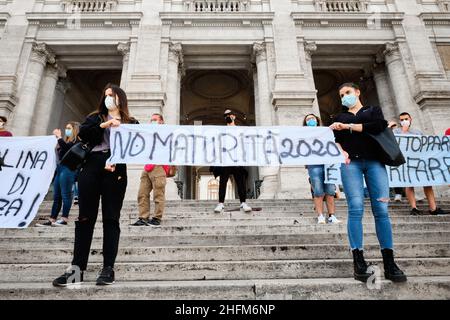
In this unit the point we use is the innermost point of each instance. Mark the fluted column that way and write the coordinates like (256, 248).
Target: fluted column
(124, 49)
(387, 103)
(397, 75)
(263, 111)
(24, 112)
(44, 106)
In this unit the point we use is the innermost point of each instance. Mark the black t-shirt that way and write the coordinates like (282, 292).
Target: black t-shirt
(359, 145)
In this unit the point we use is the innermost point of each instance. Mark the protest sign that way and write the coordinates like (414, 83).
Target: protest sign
(223, 145)
(27, 166)
(427, 163)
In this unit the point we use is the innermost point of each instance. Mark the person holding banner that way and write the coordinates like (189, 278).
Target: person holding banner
(99, 181)
(363, 163)
(64, 179)
(239, 174)
(153, 177)
(405, 122)
(320, 189)
(3, 131)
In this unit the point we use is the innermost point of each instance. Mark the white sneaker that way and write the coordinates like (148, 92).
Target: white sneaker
(333, 219)
(60, 223)
(398, 198)
(321, 219)
(219, 208)
(246, 207)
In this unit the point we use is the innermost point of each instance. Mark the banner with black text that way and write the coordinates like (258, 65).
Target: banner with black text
(223, 145)
(427, 163)
(27, 166)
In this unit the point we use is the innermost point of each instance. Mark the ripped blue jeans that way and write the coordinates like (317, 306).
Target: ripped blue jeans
(377, 183)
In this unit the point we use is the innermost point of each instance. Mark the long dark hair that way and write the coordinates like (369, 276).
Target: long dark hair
(123, 103)
(319, 122)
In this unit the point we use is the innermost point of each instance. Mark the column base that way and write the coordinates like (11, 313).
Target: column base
(294, 183)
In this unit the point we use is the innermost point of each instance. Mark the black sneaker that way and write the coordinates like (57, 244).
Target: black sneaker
(416, 212)
(106, 277)
(140, 223)
(48, 223)
(68, 279)
(438, 211)
(154, 222)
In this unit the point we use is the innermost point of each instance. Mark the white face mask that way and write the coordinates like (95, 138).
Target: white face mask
(405, 123)
(2, 125)
(110, 103)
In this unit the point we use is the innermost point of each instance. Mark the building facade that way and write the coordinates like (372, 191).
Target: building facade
(271, 61)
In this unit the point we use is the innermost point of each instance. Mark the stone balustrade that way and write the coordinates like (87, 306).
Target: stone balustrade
(89, 5)
(341, 5)
(217, 5)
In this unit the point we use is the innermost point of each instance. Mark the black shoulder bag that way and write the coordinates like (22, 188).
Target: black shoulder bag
(390, 153)
(76, 156)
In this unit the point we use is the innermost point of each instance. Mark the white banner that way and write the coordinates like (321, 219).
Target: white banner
(27, 166)
(427, 163)
(223, 145)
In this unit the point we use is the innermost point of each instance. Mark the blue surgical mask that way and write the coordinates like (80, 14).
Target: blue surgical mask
(349, 101)
(68, 132)
(311, 123)
(155, 122)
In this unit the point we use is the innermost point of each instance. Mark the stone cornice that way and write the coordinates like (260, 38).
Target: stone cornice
(88, 19)
(348, 19)
(435, 18)
(216, 18)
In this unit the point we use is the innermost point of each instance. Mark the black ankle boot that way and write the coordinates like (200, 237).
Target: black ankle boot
(391, 270)
(360, 266)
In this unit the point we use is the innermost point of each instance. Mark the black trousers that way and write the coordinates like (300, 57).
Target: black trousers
(95, 183)
(239, 175)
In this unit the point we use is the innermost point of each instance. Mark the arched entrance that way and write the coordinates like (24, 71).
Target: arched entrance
(205, 95)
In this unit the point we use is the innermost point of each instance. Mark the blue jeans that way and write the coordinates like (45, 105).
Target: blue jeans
(377, 183)
(62, 191)
(317, 178)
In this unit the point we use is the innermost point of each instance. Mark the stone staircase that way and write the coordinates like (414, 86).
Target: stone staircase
(277, 253)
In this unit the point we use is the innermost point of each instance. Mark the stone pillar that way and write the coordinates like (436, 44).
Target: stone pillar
(387, 103)
(309, 49)
(175, 70)
(124, 49)
(44, 106)
(24, 112)
(263, 113)
(402, 93)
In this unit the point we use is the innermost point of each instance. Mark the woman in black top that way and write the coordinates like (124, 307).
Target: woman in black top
(99, 181)
(64, 178)
(351, 130)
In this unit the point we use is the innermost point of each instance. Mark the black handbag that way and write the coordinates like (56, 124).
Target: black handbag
(390, 153)
(76, 156)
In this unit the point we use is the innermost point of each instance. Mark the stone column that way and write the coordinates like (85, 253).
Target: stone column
(24, 113)
(171, 108)
(44, 106)
(263, 112)
(310, 48)
(175, 70)
(402, 93)
(387, 103)
(58, 104)
(124, 49)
